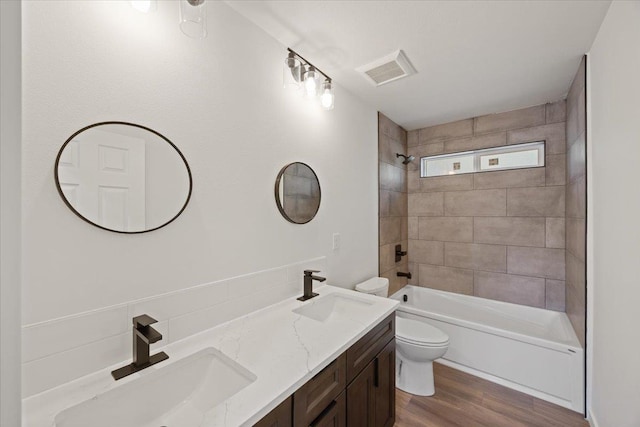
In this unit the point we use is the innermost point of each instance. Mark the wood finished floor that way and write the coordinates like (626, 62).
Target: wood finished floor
(467, 401)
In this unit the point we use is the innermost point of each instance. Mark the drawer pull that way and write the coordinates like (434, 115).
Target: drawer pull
(376, 374)
(324, 414)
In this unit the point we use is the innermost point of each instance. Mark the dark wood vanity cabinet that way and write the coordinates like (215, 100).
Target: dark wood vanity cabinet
(385, 392)
(372, 393)
(356, 389)
(319, 393)
(361, 398)
(279, 417)
(335, 415)
(367, 348)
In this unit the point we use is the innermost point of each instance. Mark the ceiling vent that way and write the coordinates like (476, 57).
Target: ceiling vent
(387, 69)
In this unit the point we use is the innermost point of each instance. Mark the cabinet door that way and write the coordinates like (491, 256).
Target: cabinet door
(361, 398)
(371, 396)
(281, 416)
(385, 386)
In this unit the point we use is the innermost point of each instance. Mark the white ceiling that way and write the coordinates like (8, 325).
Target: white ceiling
(472, 57)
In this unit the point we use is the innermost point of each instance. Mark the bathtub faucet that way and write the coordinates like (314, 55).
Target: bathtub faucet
(403, 274)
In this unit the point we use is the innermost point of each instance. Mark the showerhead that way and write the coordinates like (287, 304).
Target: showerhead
(407, 159)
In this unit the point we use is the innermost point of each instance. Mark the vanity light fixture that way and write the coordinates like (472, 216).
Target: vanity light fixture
(144, 6)
(300, 74)
(310, 85)
(193, 18)
(326, 99)
(193, 15)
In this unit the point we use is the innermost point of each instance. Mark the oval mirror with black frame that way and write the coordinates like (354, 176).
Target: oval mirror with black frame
(297, 193)
(123, 177)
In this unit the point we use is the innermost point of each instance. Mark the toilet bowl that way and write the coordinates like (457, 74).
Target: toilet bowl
(418, 344)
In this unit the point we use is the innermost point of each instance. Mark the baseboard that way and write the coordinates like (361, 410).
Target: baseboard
(593, 422)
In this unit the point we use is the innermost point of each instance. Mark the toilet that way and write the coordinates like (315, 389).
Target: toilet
(418, 344)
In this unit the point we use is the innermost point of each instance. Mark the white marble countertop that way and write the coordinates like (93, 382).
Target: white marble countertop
(283, 349)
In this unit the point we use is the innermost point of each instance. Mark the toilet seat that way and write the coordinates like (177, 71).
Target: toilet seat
(422, 344)
(374, 285)
(420, 333)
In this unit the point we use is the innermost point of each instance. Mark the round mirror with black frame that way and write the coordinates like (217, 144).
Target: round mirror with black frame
(297, 192)
(123, 177)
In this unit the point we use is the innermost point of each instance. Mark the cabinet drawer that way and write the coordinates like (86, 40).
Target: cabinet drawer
(365, 350)
(319, 392)
(279, 417)
(335, 415)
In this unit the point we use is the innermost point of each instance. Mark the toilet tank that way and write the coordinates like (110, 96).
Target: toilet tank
(375, 286)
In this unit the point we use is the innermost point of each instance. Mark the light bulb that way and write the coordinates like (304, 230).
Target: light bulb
(310, 85)
(327, 98)
(143, 5)
(292, 72)
(193, 18)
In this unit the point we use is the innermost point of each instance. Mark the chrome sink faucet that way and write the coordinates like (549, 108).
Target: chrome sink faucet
(143, 336)
(308, 284)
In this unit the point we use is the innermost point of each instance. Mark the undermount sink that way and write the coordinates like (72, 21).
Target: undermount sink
(179, 394)
(324, 307)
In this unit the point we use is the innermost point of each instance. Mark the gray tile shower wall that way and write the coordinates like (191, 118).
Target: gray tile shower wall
(576, 202)
(393, 202)
(497, 235)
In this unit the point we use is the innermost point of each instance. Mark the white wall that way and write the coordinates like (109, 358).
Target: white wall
(615, 209)
(220, 101)
(167, 181)
(10, 115)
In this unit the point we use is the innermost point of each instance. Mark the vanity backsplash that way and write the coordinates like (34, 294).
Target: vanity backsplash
(61, 350)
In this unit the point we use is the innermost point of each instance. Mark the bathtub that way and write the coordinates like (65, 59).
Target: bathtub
(528, 349)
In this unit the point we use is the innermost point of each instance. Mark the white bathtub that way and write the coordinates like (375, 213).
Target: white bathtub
(528, 349)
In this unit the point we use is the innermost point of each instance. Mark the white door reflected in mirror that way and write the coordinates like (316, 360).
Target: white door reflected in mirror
(123, 177)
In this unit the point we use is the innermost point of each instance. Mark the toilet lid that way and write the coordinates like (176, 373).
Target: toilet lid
(419, 333)
(373, 285)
